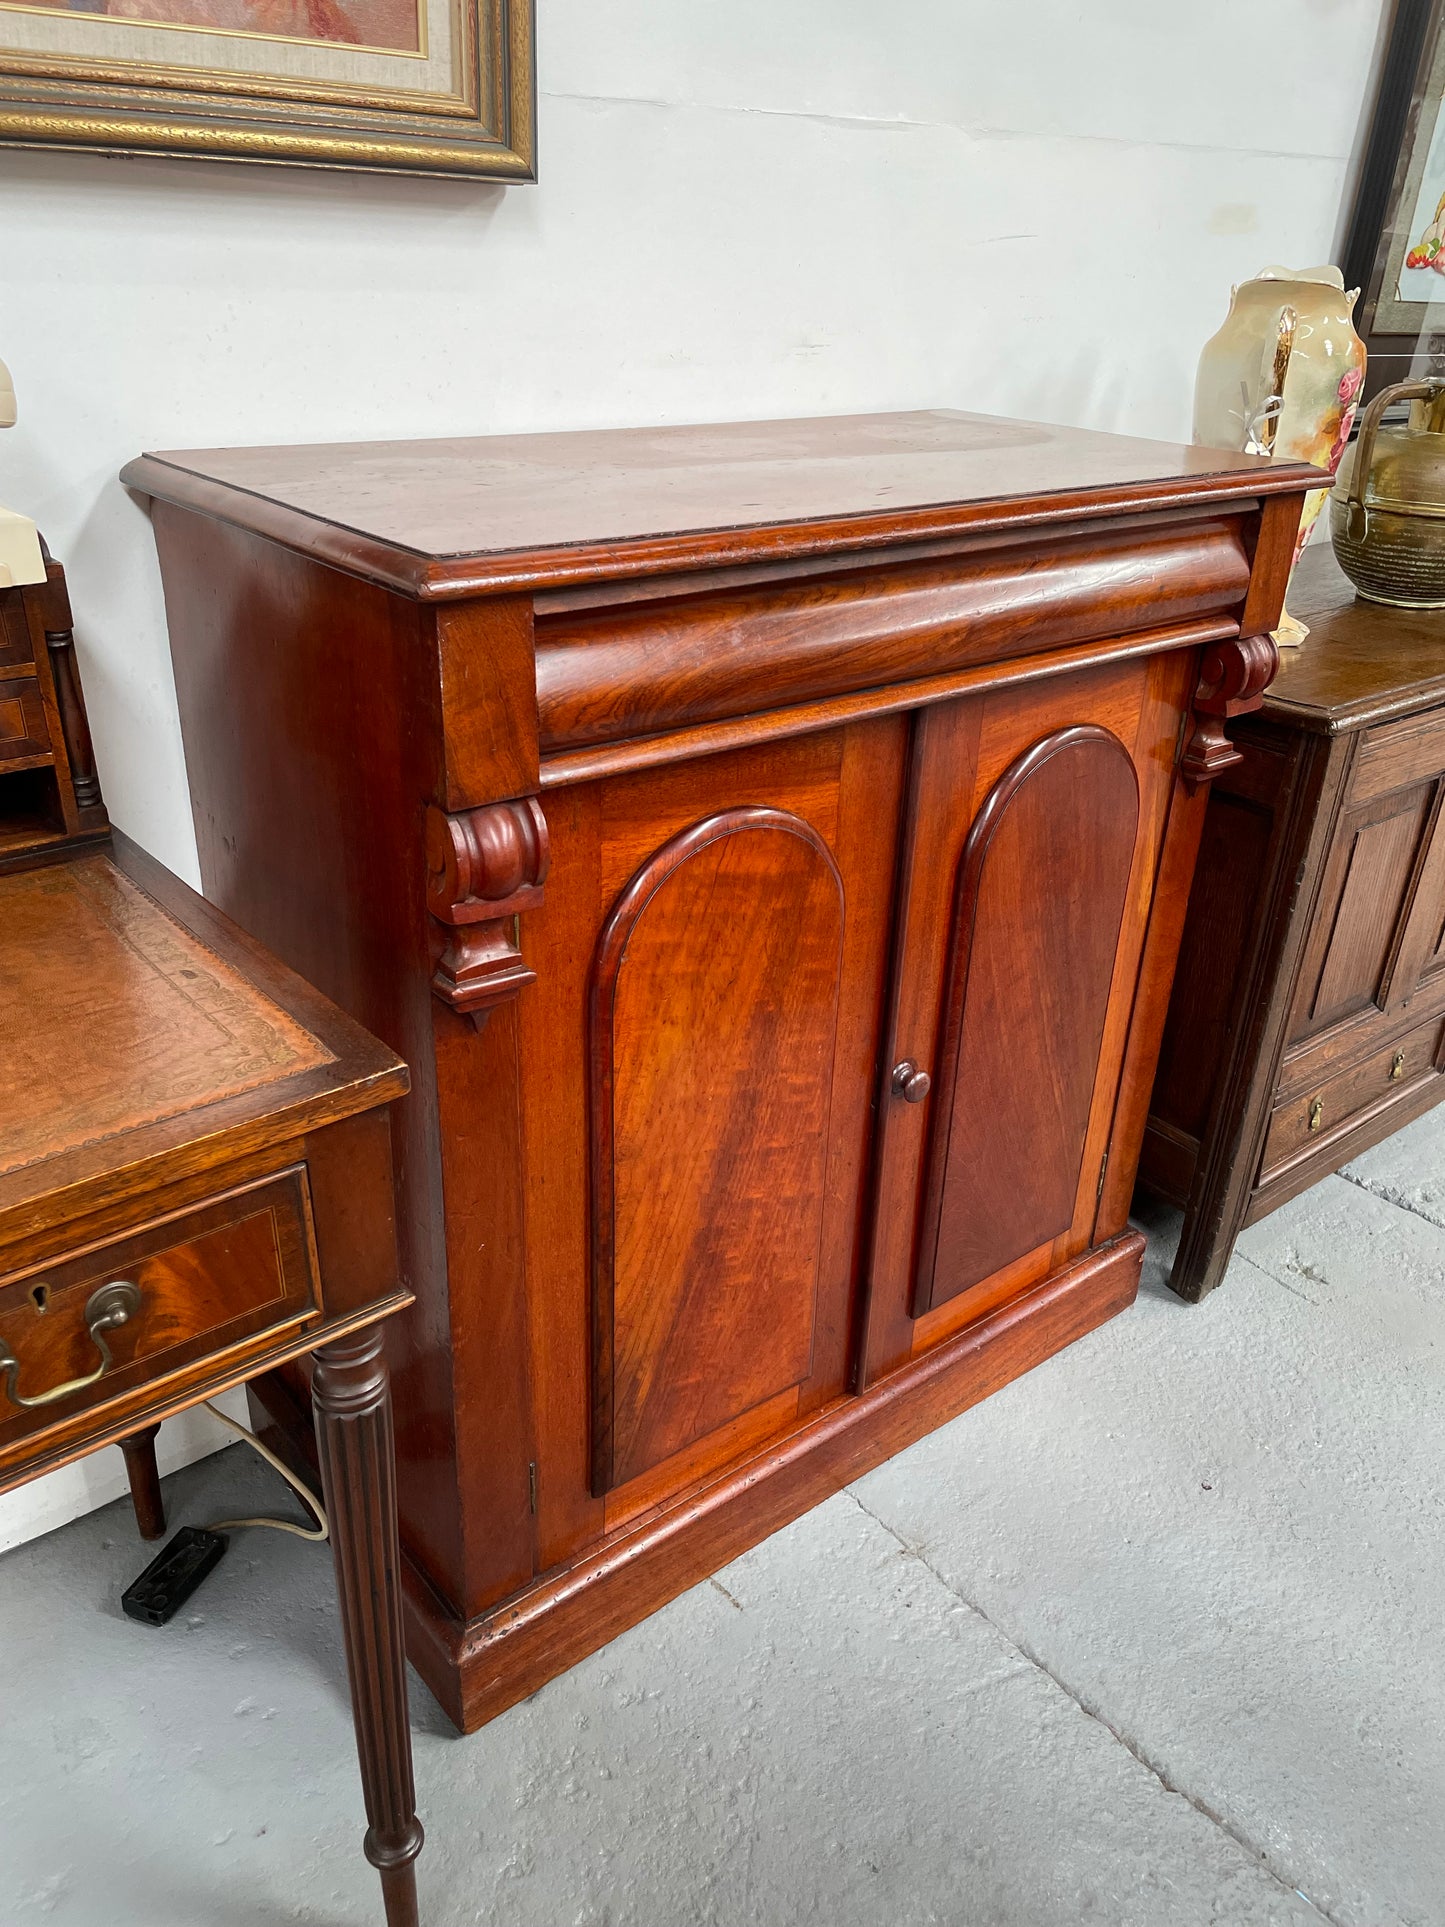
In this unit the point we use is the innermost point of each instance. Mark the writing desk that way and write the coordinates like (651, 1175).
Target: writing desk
(195, 1186)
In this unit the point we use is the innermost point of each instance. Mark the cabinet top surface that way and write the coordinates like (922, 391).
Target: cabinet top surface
(1361, 662)
(458, 516)
(128, 1031)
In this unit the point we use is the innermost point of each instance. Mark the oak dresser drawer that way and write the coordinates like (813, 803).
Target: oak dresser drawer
(1397, 755)
(1315, 1115)
(176, 1291)
(23, 730)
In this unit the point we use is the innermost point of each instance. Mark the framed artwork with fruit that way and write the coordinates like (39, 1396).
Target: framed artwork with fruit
(1395, 250)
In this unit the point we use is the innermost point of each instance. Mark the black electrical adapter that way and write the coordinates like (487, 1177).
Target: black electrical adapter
(173, 1575)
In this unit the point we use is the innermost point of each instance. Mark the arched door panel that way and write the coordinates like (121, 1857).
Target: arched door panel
(713, 1017)
(1039, 904)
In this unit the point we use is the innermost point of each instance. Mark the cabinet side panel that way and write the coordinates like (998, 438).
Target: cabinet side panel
(1223, 907)
(479, 1077)
(1040, 904)
(309, 710)
(714, 1020)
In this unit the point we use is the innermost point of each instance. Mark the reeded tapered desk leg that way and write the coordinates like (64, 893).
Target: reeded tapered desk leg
(351, 1394)
(145, 1482)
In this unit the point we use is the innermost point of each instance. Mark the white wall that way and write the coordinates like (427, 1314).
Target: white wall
(772, 207)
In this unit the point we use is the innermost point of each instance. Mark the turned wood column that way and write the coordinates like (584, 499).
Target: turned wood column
(69, 698)
(145, 1482)
(351, 1396)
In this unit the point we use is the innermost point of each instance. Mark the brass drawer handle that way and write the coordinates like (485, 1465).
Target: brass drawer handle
(105, 1309)
(1317, 1113)
(910, 1083)
(1397, 1067)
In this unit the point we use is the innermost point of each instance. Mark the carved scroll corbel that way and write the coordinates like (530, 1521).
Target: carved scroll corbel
(1233, 677)
(484, 868)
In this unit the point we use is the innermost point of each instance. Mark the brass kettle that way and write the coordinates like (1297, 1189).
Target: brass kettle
(1387, 507)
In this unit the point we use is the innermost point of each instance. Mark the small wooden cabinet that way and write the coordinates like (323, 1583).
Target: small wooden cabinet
(1308, 1017)
(49, 792)
(769, 845)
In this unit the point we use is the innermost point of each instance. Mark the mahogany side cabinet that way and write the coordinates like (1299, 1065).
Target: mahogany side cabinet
(768, 844)
(1308, 1013)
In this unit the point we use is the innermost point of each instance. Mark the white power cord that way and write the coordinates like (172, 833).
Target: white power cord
(304, 1493)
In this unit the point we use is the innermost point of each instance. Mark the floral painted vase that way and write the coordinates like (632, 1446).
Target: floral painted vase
(1429, 250)
(1283, 377)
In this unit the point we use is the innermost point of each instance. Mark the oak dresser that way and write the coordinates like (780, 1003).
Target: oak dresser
(1308, 1017)
(768, 844)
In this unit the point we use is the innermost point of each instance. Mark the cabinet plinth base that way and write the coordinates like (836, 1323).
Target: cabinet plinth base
(478, 1670)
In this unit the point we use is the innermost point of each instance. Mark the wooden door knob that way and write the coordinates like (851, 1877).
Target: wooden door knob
(910, 1083)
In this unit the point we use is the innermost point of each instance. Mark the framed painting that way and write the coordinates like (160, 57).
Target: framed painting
(1395, 248)
(400, 86)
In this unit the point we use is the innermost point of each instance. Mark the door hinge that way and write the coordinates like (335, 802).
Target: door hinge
(532, 1485)
(1103, 1173)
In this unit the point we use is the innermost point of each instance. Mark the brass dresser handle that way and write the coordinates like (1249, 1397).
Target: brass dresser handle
(1397, 1067)
(910, 1083)
(1317, 1113)
(110, 1306)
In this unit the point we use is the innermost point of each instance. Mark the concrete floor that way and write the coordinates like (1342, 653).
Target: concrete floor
(1155, 1637)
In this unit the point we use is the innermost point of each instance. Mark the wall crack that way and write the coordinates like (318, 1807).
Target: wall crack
(904, 123)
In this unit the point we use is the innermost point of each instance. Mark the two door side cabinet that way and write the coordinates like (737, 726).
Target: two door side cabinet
(769, 846)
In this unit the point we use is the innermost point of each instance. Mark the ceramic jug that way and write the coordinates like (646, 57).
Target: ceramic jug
(1283, 377)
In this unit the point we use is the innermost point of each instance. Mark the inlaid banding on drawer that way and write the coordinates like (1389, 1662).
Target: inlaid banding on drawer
(209, 1279)
(606, 676)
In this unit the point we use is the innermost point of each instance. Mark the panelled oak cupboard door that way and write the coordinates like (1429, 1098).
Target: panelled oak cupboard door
(1033, 830)
(1380, 926)
(724, 930)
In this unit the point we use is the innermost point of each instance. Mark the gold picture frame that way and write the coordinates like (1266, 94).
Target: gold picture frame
(443, 87)
(1399, 206)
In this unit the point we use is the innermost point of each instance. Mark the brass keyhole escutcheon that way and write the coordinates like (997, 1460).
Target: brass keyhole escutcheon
(1397, 1067)
(910, 1083)
(106, 1310)
(1317, 1113)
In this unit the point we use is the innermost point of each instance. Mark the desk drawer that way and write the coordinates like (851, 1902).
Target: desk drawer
(23, 730)
(205, 1282)
(1320, 1112)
